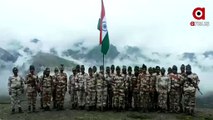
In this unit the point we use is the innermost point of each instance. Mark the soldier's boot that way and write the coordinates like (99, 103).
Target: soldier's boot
(34, 109)
(47, 108)
(13, 111)
(29, 109)
(20, 110)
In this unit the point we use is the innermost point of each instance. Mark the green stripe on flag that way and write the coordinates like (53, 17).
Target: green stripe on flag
(99, 24)
(105, 44)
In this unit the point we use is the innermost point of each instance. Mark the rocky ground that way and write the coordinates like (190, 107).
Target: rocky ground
(67, 114)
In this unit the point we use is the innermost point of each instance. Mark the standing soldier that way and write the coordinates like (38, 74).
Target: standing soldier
(113, 71)
(182, 76)
(124, 75)
(101, 88)
(129, 88)
(73, 85)
(163, 87)
(61, 88)
(82, 87)
(91, 90)
(144, 89)
(54, 87)
(40, 90)
(46, 85)
(109, 78)
(175, 90)
(157, 76)
(32, 88)
(190, 84)
(119, 90)
(94, 70)
(78, 69)
(135, 87)
(16, 88)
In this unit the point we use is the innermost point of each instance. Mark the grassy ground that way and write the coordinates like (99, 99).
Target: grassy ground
(201, 114)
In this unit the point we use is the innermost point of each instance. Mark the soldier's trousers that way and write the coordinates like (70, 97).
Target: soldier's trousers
(101, 98)
(175, 101)
(31, 97)
(47, 96)
(60, 94)
(74, 98)
(135, 100)
(162, 100)
(54, 97)
(189, 101)
(15, 98)
(91, 98)
(109, 99)
(119, 99)
(81, 98)
(144, 100)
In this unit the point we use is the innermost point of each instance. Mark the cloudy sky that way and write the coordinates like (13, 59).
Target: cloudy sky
(158, 25)
(152, 25)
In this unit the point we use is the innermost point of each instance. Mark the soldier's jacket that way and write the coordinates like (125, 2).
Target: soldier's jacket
(91, 84)
(82, 81)
(129, 82)
(54, 80)
(109, 80)
(153, 78)
(119, 84)
(125, 81)
(191, 85)
(15, 83)
(32, 82)
(101, 82)
(144, 82)
(135, 83)
(163, 84)
(73, 82)
(175, 81)
(61, 81)
(46, 82)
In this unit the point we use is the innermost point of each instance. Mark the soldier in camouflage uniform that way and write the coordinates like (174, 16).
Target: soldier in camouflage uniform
(82, 87)
(40, 90)
(46, 85)
(135, 88)
(101, 88)
(163, 87)
(190, 84)
(124, 74)
(175, 92)
(144, 89)
(94, 70)
(182, 74)
(73, 86)
(32, 88)
(16, 88)
(91, 90)
(54, 87)
(118, 90)
(109, 79)
(169, 71)
(129, 88)
(61, 88)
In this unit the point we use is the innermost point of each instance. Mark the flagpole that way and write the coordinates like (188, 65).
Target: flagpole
(103, 63)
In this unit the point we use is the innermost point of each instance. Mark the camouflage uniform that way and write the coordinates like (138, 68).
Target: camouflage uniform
(101, 88)
(16, 88)
(91, 92)
(136, 93)
(175, 92)
(54, 77)
(32, 87)
(189, 90)
(152, 91)
(118, 92)
(61, 88)
(81, 93)
(109, 79)
(144, 91)
(129, 90)
(46, 84)
(163, 87)
(73, 86)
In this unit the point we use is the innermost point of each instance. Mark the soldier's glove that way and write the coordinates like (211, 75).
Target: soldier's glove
(10, 92)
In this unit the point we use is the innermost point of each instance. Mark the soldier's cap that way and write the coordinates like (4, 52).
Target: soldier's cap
(163, 69)
(157, 67)
(108, 68)
(174, 67)
(56, 69)
(188, 66)
(47, 69)
(144, 66)
(62, 65)
(90, 69)
(118, 68)
(15, 69)
(112, 66)
(82, 66)
(150, 68)
(182, 66)
(32, 67)
(124, 66)
(136, 68)
(129, 68)
(94, 67)
(77, 66)
(101, 67)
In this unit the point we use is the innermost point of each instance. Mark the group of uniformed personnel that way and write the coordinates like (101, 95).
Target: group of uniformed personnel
(146, 90)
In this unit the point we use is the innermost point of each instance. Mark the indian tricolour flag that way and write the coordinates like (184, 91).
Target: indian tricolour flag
(102, 26)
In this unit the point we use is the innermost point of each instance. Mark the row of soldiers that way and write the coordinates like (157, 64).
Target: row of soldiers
(147, 89)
